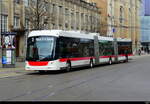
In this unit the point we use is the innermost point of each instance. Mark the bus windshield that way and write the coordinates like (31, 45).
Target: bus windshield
(40, 48)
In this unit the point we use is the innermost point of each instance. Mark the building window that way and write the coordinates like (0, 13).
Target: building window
(26, 2)
(121, 14)
(54, 9)
(17, 1)
(60, 15)
(82, 21)
(47, 6)
(61, 10)
(66, 15)
(27, 23)
(72, 19)
(16, 22)
(4, 23)
(77, 18)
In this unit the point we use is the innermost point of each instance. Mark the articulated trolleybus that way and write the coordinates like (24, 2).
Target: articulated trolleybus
(58, 49)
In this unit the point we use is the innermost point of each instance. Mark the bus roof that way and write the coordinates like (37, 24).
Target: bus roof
(74, 34)
(57, 33)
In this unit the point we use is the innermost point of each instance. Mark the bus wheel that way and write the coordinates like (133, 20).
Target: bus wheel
(110, 61)
(91, 63)
(68, 66)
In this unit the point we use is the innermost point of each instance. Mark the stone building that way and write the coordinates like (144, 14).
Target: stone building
(12, 20)
(77, 15)
(72, 15)
(102, 5)
(123, 19)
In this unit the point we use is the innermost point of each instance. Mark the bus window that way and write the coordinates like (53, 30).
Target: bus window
(40, 48)
(106, 48)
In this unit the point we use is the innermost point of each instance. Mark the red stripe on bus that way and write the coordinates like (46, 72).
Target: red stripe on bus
(31, 63)
(125, 55)
(122, 55)
(130, 55)
(105, 56)
(87, 58)
(74, 59)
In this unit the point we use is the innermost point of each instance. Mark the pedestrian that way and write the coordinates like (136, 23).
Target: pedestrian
(139, 52)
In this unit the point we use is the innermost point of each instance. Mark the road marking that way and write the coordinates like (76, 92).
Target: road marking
(50, 86)
(51, 94)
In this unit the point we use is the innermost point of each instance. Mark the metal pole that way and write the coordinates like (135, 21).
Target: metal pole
(1, 28)
(0, 21)
(114, 35)
(116, 49)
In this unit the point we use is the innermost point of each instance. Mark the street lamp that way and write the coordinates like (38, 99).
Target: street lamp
(0, 23)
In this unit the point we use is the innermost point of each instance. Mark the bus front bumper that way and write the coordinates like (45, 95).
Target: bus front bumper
(32, 68)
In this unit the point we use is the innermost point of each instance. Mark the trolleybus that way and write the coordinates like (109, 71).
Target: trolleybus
(64, 50)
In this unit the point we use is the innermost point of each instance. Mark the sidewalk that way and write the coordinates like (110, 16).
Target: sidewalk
(137, 56)
(20, 66)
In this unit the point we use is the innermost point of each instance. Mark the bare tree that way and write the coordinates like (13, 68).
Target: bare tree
(38, 14)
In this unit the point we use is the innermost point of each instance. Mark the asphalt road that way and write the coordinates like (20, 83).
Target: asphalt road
(119, 82)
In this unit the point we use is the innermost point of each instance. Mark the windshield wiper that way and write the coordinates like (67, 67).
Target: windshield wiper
(46, 58)
(31, 59)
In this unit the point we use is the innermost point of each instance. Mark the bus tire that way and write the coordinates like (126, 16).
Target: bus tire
(91, 63)
(68, 66)
(110, 61)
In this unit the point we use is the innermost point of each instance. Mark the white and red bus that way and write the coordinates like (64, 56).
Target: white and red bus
(58, 50)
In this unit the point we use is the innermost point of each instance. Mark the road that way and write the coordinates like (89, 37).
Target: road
(118, 82)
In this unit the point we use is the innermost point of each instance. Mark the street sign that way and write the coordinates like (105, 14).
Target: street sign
(9, 33)
(114, 30)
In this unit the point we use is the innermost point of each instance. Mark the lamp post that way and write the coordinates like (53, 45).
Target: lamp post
(0, 23)
(1, 28)
(115, 46)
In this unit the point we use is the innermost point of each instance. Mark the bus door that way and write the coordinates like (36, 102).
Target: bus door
(96, 50)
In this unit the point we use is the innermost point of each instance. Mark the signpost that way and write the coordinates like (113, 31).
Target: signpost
(8, 49)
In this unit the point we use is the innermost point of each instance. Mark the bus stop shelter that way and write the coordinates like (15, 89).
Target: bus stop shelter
(8, 49)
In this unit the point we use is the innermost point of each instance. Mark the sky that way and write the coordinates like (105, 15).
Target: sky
(147, 7)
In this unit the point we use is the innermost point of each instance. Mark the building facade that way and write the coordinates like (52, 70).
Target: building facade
(77, 15)
(102, 4)
(126, 21)
(123, 19)
(12, 20)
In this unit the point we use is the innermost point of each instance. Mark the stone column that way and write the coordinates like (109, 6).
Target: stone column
(57, 17)
(63, 14)
(11, 10)
(79, 19)
(75, 20)
(22, 15)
